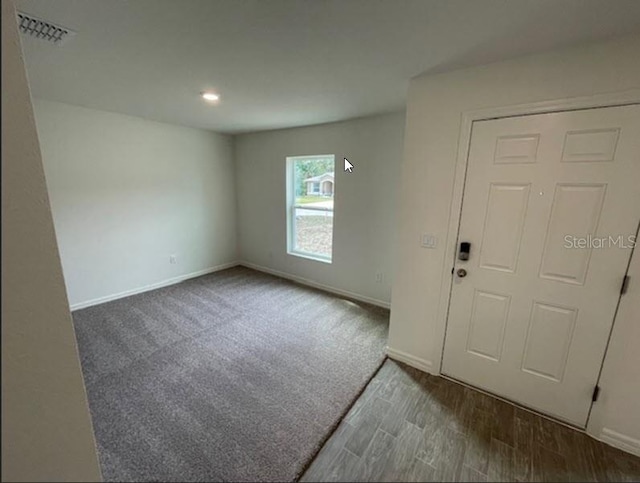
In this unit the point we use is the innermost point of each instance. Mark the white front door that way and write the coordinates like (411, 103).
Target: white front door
(551, 207)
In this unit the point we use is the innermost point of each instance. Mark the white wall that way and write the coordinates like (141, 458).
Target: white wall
(434, 108)
(46, 428)
(365, 201)
(127, 193)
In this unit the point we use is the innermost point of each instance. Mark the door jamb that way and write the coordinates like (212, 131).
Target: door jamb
(614, 99)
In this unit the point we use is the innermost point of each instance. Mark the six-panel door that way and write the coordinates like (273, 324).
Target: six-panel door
(551, 206)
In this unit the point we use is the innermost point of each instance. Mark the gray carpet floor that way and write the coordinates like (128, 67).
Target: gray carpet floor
(233, 376)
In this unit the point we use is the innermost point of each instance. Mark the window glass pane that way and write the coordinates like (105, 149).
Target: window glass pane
(314, 231)
(311, 216)
(313, 179)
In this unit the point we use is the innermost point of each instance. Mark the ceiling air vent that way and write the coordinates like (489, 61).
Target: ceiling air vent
(41, 29)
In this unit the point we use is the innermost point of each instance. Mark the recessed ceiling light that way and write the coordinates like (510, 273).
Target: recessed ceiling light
(210, 96)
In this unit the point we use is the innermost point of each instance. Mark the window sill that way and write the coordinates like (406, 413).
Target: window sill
(310, 256)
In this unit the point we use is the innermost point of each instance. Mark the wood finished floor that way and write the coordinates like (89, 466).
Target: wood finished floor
(409, 426)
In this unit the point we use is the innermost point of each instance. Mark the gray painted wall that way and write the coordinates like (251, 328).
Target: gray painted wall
(128, 193)
(364, 202)
(46, 428)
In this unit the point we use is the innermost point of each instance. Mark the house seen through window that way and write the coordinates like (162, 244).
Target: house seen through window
(310, 190)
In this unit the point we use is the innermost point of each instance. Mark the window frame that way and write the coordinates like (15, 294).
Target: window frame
(292, 206)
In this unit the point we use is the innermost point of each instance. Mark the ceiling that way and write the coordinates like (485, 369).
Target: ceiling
(284, 63)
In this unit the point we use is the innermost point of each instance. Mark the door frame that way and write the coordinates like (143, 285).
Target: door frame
(614, 99)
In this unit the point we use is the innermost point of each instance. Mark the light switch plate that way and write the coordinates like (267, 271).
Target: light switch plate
(428, 241)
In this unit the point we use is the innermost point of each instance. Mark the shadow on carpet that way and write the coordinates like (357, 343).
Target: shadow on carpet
(237, 375)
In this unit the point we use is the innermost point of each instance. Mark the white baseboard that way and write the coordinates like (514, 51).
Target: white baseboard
(153, 286)
(421, 364)
(311, 283)
(620, 441)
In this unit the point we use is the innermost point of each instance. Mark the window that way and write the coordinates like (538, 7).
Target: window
(310, 190)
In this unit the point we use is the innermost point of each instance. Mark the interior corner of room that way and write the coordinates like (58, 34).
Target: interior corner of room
(393, 253)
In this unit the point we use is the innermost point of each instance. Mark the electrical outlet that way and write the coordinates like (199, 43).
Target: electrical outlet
(173, 259)
(379, 277)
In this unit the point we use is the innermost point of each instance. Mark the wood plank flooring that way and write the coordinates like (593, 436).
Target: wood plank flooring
(410, 426)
